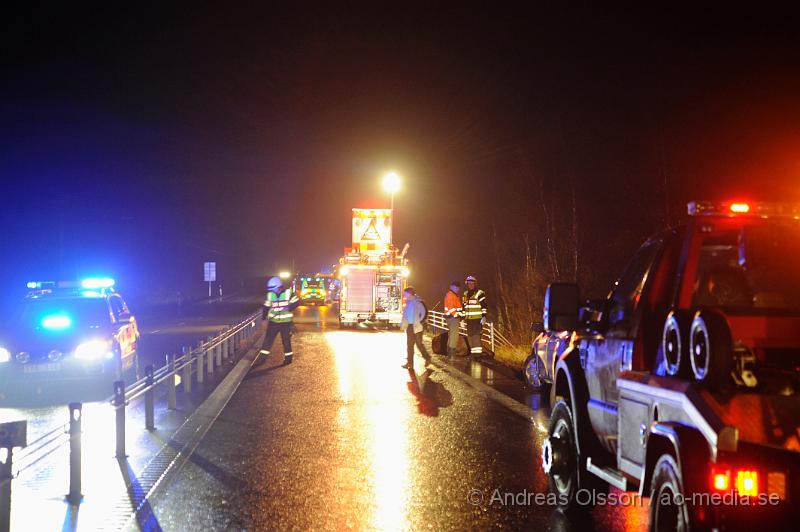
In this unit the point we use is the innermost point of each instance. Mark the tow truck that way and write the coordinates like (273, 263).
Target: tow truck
(67, 335)
(684, 383)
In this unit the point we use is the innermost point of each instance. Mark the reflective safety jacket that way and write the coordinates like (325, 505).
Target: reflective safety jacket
(452, 305)
(278, 307)
(474, 302)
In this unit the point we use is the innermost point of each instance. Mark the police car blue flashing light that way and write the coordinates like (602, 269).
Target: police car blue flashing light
(91, 293)
(95, 283)
(56, 322)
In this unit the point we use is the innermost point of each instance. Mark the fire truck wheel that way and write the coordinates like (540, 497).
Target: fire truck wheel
(710, 345)
(675, 343)
(668, 508)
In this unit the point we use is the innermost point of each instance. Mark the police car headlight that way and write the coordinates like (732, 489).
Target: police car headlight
(5, 355)
(94, 350)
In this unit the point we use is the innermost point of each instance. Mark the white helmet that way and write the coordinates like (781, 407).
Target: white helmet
(274, 283)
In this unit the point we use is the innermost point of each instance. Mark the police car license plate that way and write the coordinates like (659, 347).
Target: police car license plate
(42, 368)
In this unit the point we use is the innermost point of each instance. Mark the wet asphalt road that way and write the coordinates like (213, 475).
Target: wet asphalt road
(343, 438)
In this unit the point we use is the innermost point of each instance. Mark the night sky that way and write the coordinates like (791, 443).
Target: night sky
(140, 143)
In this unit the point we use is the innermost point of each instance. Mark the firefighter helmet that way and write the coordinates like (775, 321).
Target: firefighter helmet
(471, 279)
(274, 283)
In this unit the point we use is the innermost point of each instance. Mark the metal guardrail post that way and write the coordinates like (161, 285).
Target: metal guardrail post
(12, 434)
(491, 335)
(149, 400)
(187, 370)
(201, 364)
(209, 353)
(226, 347)
(119, 404)
(218, 352)
(172, 400)
(75, 419)
(6, 455)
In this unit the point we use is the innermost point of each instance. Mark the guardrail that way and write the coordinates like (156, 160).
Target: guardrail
(194, 363)
(489, 333)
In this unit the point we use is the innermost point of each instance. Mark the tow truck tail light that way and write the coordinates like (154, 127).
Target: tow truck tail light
(741, 208)
(776, 483)
(747, 482)
(721, 479)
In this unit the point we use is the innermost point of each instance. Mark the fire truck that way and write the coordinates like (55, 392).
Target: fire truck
(372, 273)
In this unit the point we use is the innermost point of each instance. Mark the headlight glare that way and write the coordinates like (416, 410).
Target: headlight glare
(5, 355)
(94, 350)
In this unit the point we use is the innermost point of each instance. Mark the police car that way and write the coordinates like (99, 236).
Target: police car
(67, 331)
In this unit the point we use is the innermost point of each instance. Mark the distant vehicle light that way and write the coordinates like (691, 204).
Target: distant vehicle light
(57, 322)
(32, 285)
(284, 275)
(344, 271)
(741, 208)
(5, 355)
(95, 283)
(747, 483)
(94, 350)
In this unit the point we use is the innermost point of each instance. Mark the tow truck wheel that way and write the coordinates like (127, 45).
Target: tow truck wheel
(561, 462)
(675, 343)
(668, 509)
(711, 346)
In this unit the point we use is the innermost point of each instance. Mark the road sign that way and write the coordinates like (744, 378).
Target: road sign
(372, 230)
(210, 272)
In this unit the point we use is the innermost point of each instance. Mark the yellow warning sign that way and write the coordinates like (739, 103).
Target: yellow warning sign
(373, 227)
(372, 232)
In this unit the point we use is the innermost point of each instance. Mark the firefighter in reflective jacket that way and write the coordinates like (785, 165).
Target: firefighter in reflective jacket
(453, 311)
(474, 304)
(278, 307)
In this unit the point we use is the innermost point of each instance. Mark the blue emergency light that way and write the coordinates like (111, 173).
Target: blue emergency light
(56, 322)
(96, 283)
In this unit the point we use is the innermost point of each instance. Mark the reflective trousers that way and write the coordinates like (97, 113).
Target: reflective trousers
(285, 330)
(474, 329)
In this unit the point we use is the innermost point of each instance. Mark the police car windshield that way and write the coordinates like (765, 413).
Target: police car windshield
(752, 270)
(64, 313)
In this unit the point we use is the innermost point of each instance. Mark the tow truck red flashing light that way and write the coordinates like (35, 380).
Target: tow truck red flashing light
(741, 208)
(747, 482)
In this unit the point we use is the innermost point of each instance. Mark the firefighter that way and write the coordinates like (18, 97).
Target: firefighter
(474, 302)
(278, 307)
(454, 312)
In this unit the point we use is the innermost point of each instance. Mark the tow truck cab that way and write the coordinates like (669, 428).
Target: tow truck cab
(686, 378)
